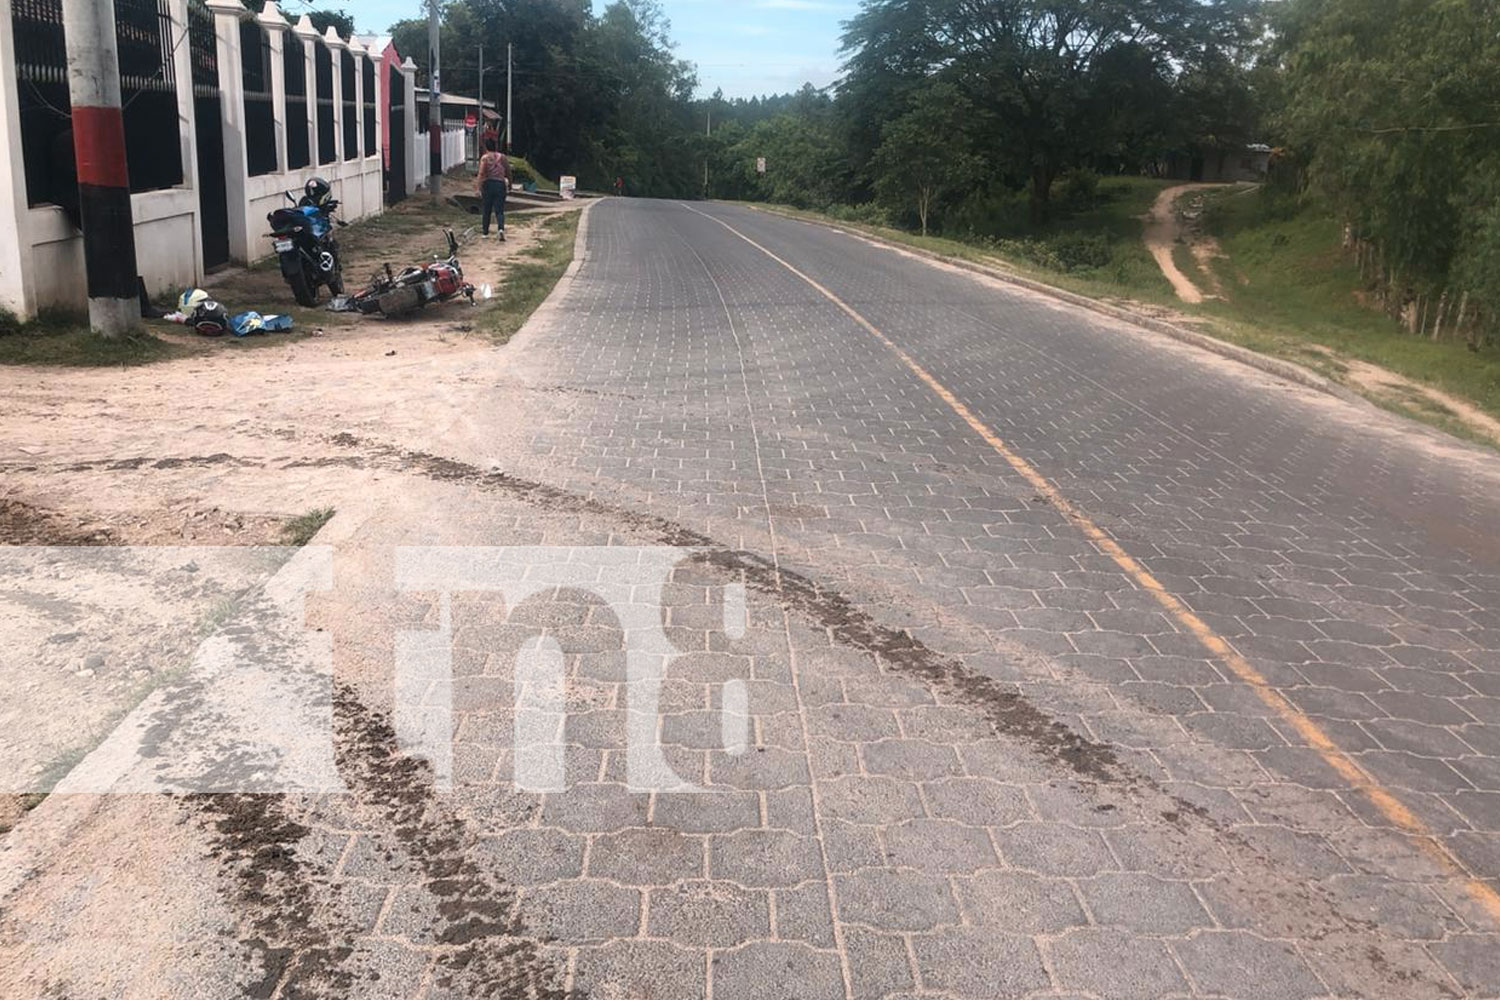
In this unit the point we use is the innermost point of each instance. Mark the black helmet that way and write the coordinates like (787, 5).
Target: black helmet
(317, 191)
(209, 319)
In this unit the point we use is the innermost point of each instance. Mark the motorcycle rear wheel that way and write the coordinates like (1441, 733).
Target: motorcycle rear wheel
(303, 290)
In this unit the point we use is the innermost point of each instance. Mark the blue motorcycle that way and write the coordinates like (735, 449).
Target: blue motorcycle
(302, 237)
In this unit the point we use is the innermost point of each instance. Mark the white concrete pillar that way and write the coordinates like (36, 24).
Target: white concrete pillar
(227, 17)
(416, 151)
(276, 27)
(187, 117)
(15, 253)
(309, 36)
(358, 52)
(355, 179)
(382, 103)
(336, 48)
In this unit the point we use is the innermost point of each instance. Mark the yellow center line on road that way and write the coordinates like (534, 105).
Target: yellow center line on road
(1337, 758)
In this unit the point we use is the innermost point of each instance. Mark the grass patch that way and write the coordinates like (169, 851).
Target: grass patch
(522, 171)
(1094, 249)
(1289, 290)
(1300, 288)
(62, 337)
(300, 530)
(529, 278)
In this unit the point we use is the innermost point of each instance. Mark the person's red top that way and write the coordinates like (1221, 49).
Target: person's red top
(494, 167)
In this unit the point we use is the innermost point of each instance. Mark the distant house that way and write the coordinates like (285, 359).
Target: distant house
(1246, 164)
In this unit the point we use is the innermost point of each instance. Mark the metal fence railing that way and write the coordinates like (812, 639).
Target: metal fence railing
(327, 135)
(351, 106)
(372, 138)
(148, 93)
(260, 103)
(148, 89)
(298, 148)
(42, 87)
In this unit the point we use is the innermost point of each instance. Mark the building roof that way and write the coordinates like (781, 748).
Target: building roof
(456, 100)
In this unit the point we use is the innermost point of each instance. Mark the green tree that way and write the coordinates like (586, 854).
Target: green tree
(559, 99)
(923, 156)
(805, 167)
(1031, 67)
(1394, 105)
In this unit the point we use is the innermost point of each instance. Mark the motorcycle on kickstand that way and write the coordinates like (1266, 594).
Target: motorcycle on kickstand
(393, 293)
(303, 238)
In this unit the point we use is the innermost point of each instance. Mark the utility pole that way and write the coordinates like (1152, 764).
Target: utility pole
(479, 128)
(709, 131)
(508, 48)
(103, 175)
(435, 99)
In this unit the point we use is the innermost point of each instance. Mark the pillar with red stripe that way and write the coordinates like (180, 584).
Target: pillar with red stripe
(103, 177)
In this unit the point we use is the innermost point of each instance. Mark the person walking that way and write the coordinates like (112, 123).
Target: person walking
(494, 185)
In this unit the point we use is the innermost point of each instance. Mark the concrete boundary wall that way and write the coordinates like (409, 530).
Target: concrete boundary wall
(41, 254)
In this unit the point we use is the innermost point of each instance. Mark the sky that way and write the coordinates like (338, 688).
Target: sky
(747, 47)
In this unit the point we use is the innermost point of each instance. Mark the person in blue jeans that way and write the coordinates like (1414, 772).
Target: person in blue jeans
(494, 184)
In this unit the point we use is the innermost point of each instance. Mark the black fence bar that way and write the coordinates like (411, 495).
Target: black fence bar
(298, 148)
(148, 93)
(351, 107)
(42, 87)
(400, 135)
(260, 104)
(327, 136)
(148, 90)
(372, 138)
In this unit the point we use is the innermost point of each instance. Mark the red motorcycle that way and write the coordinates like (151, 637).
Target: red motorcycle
(396, 294)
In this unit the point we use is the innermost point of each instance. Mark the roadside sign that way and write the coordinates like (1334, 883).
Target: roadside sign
(760, 164)
(567, 187)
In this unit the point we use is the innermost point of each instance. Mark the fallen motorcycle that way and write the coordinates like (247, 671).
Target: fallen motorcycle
(393, 293)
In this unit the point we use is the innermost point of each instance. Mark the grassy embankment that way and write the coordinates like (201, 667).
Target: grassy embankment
(1290, 290)
(1287, 289)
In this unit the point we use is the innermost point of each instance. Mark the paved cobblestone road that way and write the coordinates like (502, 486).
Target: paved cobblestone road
(983, 758)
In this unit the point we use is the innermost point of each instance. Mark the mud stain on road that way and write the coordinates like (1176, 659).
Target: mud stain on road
(23, 524)
(257, 839)
(1008, 711)
(291, 907)
(487, 951)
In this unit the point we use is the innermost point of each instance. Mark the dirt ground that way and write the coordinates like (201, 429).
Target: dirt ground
(1403, 393)
(221, 448)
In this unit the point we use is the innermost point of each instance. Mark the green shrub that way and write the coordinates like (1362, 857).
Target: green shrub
(995, 213)
(1079, 252)
(1066, 252)
(868, 214)
(1077, 189)
(10, 323)
(521, 171)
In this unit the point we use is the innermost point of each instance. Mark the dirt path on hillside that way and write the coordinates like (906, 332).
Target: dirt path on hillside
(1165, 228)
